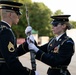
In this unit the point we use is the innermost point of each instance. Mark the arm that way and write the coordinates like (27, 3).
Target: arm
(43, 48)
(8, 52)
(22, 49)
(62, 58)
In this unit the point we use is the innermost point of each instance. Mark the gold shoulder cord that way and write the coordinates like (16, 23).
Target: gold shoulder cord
(64, 40)
(42, 55)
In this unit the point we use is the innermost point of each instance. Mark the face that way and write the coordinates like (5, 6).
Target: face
(59, 29)
(15, 18)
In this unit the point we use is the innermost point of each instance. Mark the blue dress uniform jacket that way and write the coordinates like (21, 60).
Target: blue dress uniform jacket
(9, 52)
(57, 54)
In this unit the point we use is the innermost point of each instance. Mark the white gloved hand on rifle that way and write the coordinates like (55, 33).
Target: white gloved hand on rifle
(36, 73)
(28, 30)
(30, 39)
(32, 46)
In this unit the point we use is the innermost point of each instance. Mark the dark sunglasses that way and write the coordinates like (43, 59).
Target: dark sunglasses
(18, 13)
(55, 24)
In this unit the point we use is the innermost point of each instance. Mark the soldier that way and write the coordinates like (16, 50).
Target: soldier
(9, 52)
(57, 53)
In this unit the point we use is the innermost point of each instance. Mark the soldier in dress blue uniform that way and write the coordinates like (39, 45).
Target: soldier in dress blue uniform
(9, 52)
(57, 53)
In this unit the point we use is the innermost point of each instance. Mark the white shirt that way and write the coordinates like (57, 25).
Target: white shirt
(57, 38)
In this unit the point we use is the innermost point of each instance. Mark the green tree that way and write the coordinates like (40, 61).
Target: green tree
(39, 15)
(73, 23)
(58, 12)
(40, 18)
(23, 1)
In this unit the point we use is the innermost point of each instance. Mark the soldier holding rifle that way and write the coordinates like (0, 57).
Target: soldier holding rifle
(58, 52)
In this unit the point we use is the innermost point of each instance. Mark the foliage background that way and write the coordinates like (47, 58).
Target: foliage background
(39, 16)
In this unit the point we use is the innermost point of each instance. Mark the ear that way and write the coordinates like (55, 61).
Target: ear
(64, 26)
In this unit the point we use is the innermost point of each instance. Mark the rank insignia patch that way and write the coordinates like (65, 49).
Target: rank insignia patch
(56, 49)
(11, 47)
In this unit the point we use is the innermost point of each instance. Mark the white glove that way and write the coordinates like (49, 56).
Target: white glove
(28, 30)
(30, 39)
(36, 73)
(31, 46)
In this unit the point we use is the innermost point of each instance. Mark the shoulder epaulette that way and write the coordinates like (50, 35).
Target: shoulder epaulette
(2, 27)
(66, 38)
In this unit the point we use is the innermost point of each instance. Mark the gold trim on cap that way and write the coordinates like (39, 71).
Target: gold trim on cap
(9, 5)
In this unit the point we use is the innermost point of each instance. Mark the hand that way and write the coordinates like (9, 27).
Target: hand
(31, 46)
(30, 39)
(36, 73)
(28, 30)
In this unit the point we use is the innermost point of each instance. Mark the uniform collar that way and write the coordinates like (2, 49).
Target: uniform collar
(60, 37)
(57, 38)
(5, 23)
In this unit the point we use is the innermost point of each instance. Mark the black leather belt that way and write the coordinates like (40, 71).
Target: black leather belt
(60, 67)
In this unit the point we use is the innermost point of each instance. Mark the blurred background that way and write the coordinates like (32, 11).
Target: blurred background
(39, 17)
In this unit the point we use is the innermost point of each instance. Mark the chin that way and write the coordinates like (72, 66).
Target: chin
(16, 23)
(54, 32)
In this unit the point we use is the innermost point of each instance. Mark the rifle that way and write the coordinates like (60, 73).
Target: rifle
(32, 53)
